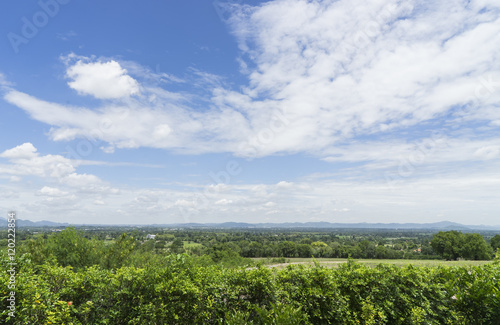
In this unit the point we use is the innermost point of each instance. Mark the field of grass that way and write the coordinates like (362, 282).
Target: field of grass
(190, 244)
(333, 262)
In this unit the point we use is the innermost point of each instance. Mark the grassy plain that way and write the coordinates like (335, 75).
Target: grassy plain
(191, 244)
(334, 262)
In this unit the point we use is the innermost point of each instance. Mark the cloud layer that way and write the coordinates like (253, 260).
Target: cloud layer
(49, 186)
(319, 74)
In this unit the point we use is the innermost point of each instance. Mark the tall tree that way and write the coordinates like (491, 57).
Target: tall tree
(453, 244)
(495, 242)
(475, 248)
(448, 244)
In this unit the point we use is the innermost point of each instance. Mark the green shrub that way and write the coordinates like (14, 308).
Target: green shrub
(177, 289)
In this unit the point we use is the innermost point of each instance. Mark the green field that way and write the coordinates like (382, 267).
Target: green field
(333, 262)
(190, 244)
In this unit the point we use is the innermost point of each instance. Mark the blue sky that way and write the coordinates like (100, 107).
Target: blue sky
(255, 111)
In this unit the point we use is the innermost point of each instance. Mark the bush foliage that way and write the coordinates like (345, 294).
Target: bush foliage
(176, 289)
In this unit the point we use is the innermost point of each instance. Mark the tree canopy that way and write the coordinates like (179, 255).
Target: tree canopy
(452, 245)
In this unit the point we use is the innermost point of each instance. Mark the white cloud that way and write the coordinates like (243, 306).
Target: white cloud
(138, 125)
(4, 84)
(81, 180)
(24, 151)
(223, 202)
(341, 69)
(15, 178)
(108, 149)
(63, 195)
(184, 203)
(103, 80)
(269, 204)
(67, 36)
(284, 184)
(24, 160)
(51, 191)
(488, 152)
(438, 149)
(83, 198)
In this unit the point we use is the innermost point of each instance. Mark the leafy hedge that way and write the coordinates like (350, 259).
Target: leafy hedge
(177, 291)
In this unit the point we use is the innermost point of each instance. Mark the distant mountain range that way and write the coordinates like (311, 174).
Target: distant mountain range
(442, 225)
(28, 223)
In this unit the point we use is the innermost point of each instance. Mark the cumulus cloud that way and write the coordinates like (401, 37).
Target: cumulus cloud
(24, 160)
(284, 184)
(51, 191)
(103, 80)
(63, 194)
(80, 180)
(223, 202)
(269, 204)
(23, 151)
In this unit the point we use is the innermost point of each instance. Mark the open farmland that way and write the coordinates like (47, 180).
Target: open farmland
(335, 262)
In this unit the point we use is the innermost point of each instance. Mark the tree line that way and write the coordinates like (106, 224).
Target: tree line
(77, 248)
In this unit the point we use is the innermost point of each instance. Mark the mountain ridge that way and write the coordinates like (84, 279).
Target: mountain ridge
(440, 225)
